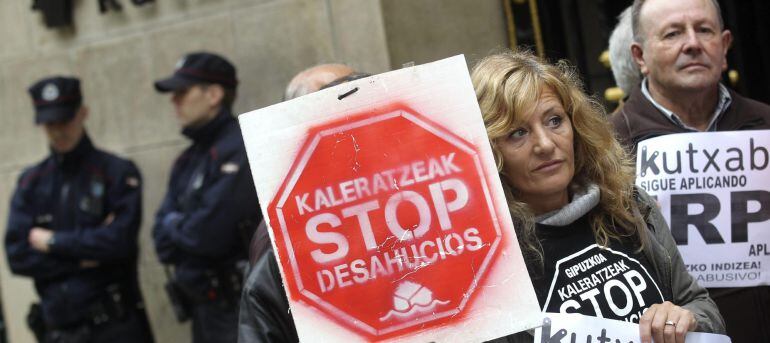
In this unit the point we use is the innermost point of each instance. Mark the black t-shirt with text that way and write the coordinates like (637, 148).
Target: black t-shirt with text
(579, 276)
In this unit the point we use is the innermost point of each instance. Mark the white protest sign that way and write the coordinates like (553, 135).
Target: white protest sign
(714, 191)
(386, 211)
(576, 328)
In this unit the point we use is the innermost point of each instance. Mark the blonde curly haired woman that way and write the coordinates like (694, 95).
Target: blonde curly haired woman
(594, 244)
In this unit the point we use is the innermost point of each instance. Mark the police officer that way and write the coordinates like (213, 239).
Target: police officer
(210, 210)
(73, 226)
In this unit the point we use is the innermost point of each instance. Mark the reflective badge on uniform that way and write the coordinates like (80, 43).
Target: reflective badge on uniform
(230, 167)
(85, 204)
(92, 204)
(97, 189)
(197, 181)
(132, 181)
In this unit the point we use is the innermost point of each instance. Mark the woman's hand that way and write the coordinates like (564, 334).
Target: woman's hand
(666, 323)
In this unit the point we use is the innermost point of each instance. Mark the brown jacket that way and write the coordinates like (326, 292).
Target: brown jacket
(639, 119)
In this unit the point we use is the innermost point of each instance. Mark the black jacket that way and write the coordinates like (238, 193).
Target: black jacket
(210, 208)
(264, 310)
(92, 201)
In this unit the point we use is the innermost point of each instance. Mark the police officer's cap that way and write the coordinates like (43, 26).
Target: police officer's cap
(196, 68)
(56, 99)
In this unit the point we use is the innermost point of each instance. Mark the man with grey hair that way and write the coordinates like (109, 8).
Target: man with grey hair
(624, 68)
(681, 48)
(264, 313)
(314, 78)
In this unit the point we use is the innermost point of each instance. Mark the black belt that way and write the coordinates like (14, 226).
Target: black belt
(113, 305)
(223, 287)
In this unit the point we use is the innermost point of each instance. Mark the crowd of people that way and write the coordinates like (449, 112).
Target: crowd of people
(566, 169)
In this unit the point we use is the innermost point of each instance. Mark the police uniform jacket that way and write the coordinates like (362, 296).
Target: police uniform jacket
(92, 201)
(202, 226)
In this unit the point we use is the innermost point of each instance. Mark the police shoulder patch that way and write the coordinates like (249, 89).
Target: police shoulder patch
(132, 181)
(230, 167)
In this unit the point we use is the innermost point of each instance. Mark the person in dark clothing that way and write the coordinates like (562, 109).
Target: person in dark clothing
(264, 314)
(681, 47)
(570, 191)
(73, 226)
(205, 221)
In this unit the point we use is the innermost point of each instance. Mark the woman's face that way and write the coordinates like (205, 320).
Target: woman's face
(538, 155)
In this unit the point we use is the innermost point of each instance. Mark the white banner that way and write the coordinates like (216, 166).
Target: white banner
(386, 211)
(573, 328)
(714, 191)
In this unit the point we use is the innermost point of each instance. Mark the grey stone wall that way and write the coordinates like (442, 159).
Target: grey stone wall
(422, 31)
(119, 54)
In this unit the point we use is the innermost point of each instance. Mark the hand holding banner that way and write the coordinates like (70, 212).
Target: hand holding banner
(572, 328)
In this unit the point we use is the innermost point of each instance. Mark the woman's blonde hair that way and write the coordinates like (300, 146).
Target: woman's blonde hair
(508, 85)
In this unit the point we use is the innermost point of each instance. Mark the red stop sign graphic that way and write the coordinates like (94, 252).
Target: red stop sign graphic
(385, 222)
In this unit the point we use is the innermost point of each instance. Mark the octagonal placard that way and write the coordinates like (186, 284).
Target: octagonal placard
(385, 222)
